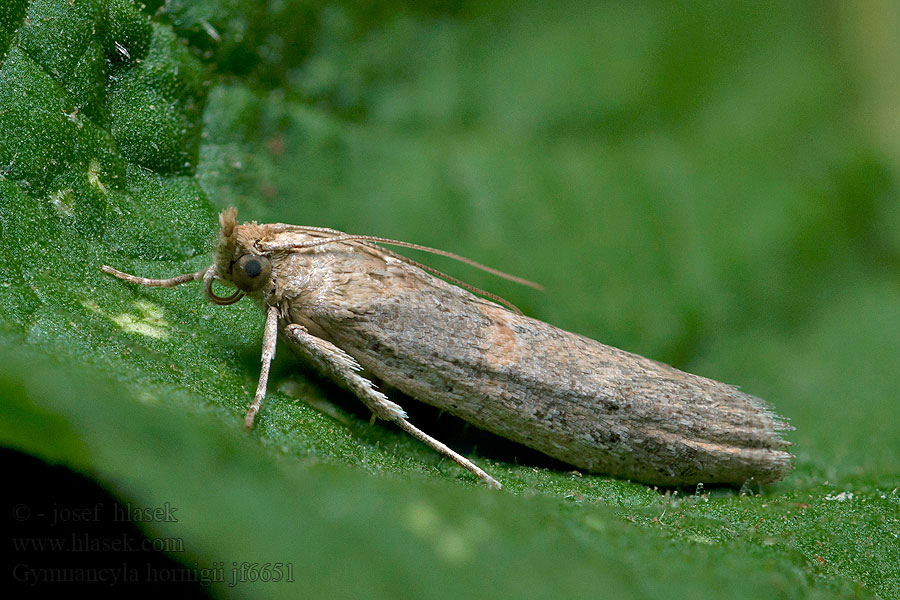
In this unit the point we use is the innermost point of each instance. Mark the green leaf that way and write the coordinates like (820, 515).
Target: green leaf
(694, 183)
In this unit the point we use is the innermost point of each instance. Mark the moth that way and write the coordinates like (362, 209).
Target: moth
(357, 310)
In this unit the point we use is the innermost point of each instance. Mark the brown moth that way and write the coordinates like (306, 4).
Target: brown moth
(346, 305)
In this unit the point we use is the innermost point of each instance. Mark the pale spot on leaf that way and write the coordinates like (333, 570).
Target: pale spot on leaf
(452, 543)
(148, 321)
(62, 201)
(94, 175)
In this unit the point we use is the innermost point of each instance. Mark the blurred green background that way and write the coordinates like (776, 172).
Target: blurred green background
(713, 185)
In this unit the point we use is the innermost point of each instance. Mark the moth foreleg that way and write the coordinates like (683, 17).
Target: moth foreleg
(165, 283)
(344, 368)
(270, 339)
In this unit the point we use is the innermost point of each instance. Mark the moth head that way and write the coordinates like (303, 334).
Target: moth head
(251, 272)
(237, 261)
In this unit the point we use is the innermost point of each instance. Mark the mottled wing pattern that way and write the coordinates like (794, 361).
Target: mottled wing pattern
(596, 407)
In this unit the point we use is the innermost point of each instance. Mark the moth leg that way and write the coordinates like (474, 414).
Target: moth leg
(344, 368)
(442, 448)
(270, 338)
(165, 283)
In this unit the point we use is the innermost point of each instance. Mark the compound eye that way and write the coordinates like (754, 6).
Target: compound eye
(251, 272)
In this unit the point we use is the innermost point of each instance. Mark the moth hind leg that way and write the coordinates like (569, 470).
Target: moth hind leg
(336, 363)
(345, 370)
